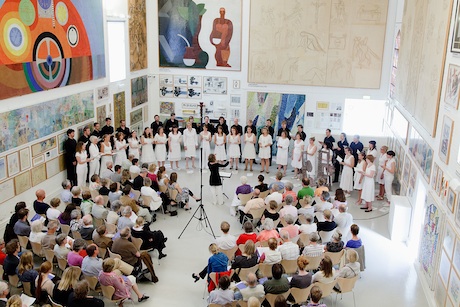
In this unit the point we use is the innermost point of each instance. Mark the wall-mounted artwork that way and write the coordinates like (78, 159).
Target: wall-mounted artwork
(119, 108)
(137, 35)
(139, 91)
(38, 174)
(22, 183)
(456, 34)
(200, 34)
(451, 95)
(318, 43)
(421, 151)
(13, 164)
(51, 44)
(446, 139)
(52, 168)
(2, 168)
(43, 146)
(6, 190)
(424, 38)
(24, 158)
(167, 107)
(277, 107)
(102, 93)
(215, 85)
(61, 139)
(101, 114)
(136, 116)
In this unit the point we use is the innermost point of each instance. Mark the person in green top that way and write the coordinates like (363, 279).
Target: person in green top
(306, 189)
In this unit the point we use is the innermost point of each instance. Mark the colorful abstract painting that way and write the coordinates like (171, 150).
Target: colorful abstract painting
(200, 34)
(137, 35)
(48, 44)
(277, 107)
(139, 91)
(21, 126)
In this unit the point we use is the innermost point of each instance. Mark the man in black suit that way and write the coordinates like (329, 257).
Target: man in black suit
(210, 126)
(70, 146)
(97, 130)
(138, 181)
(303, 136)
(124, 129)
(170, 123)
(107, 129)
(156, 124)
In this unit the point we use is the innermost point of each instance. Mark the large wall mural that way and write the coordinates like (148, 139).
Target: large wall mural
(47, 44)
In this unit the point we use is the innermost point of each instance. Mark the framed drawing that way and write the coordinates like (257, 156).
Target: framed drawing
(43, 146)
(166, 80)
(434, 176)
(137, 34)
(13, 164)
(444, 268)
(2, 168)
(52, 168)
(136, 116)
(22, 183)
(24, 158)
(446, 139)
(38, 174)
(146, 113)
(215, 85)
(38, 160)
(457, 221)
(454, 288)
(456, 35)
(101, 113)
(456, 256)
(102, 93)
(6, 190)
(61, 159)
(451, 199)
(119, 108)
(166, 108)
(406, 171)
(452, 87)
(53, 153)
(139, 91)
(61, 139)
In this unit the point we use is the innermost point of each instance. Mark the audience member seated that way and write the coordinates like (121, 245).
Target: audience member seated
(122, 284)
(115, 192)
(22, 226)
(279, 283)
(66, 195)
(98, 210)
(288, 186)
(310, 226)
(104, 190)
(306, 189)
(2, 251)
(222, 295)
(268, 231)
(108, 171)
(302, 279)
(253, 302)
(270, 213)
(344, 220)
(126, 219)
(26, 271)
(60, 249)
(288, 249)
(138, 181)
(253, 289)
(74, 258)
(125, 248)
(43, 284)
(125, 178)
(255, 203)
(134, 168)
(76, 195)
(138, 211)
(339, 199)
(272, 255)
(4, 293)
(150, 239)
(315, 296)
(289, 208)
(248, 259)
(92, 265)
(87, 204)
(100, 237)
(65, 217)
(53, 213)
(226, 241)
(95, 183)
(336, 243)
(9, 229)
(323, 203)
(49, 240)
(351, 269)
(11, 262)
(326, 274)
(313, 249)
(355, 241)
(216, 263)
(86, 231)
(66, 285)
(146, 190)
(247, 235)
(278, 182)
(116, 175)
(79, 297)
(292, 229)
(113, 214)
(262, 187)
(321, 186)
(76, 222)
(274, 195)
(328, 224)
(40, 206)
(244, 188)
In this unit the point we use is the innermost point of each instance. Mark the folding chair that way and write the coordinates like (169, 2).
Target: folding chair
(270, 298)
(290, 266)
(346, 285)
(230, 253)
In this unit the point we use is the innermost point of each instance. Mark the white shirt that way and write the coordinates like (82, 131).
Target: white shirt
(313, 250)
(308, 228)
(322, 205)
(226, 241)
(156, 199)
(289, 250)
(52, 213)
(276, 196)
(288, 209)
(343, 220)
(135, 169)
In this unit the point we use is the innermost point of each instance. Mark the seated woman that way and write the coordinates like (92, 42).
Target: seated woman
(122, 284)
(336, 244)
(321, 186)
(66, 285)
(65, 217)
(79, 297)
(292, 229)
(150, 239)
(248, 259)
(247, 235)
(125, 178)
(183, 193)
(339, 199)
(270, 213)
(76, 222)
(306, 206)
(43, 284)
(351, 269)
(26, 271)
(223, 295)
(36, 233)
(273, 255)
(354, 242)
(60, 249)
(262, 187)
(115, 192)
(244, 188)
(303, 278)
(146, 190)
(268, 232)
(74, 258)
(104, 190)
(328, 224)
(216, 263)
(11, 262)
(53, 212)
(326, 274)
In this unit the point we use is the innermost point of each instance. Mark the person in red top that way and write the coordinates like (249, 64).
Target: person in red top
(3, 255)
(247, 235)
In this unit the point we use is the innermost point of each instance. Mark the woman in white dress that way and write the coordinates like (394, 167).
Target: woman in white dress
(369, 184)
(359, 177)
(120, 148)
(94, 165)
(160, 140)
(234, 141)
(283, 152)
(134, 145)
(106, 153)
(190, 144)
(219, 141)
(371, 150)
(265, 146)
(311, 155)
(148, 156)
(389, 174)
(297, 153)
(205, 139)
(346, 181)
(174, 140)
(249, 151)
(82, 164)
(380, 176)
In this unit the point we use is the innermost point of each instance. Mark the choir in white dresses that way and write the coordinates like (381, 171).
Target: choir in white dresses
(174, 147)
(160, 147)
(190, 142)
(283, 151)
(120, 149)
(265, 143)
(206, 146)
(134, 146)
(346, 181)
(233, 147)
(148, 156)
(219, 150)
(249, 151)
(368, 193)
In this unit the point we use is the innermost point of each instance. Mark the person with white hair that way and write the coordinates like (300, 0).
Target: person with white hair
(289, 208)
(244, 188)
(275, 195)
(66, 195)
(86, 231)
(4, 291)
(253, 289)
(98, 210)
(291, 228)
(36, 234)
(147, 190)
(127, 217)
(268, 232)
(313, 249)
(324, 203)
(344, 220)
(310, 226)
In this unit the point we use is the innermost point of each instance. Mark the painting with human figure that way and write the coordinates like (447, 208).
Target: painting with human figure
(203, 34)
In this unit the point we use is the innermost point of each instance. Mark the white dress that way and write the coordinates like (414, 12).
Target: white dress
(206, 146)
(219, 150)
(233, 148)
(82, 169)
(368, 193)
(106, 157)
(283, 151)
(346, 181)
(148, 156)
(265, 152)
(121, 152)
(359, 167)
(174, 149)
(160, 147)
(249, 151)
(382, 159)
(388, 178)
(310, 150)
(190, 141)
(94, 164)
(133, 147)
(298, 153)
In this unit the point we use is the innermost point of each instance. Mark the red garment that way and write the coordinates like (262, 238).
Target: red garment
(152, 177)
(2, 257)
(83, 253)
(211, 285)
(243, 238)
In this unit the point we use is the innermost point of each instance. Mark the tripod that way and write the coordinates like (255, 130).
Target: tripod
(200, 213)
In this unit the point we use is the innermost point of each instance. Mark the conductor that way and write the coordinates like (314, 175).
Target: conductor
(215, 181)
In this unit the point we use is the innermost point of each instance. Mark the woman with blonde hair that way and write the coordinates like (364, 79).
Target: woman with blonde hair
(14, 301)
(183, 194)
(82, 162)
(248, 259)
(190, 140)
(66, 285)
(216, 263)
(253, 302)
(303, 278)
(26, 272)
(36, 233)
(43, 284)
